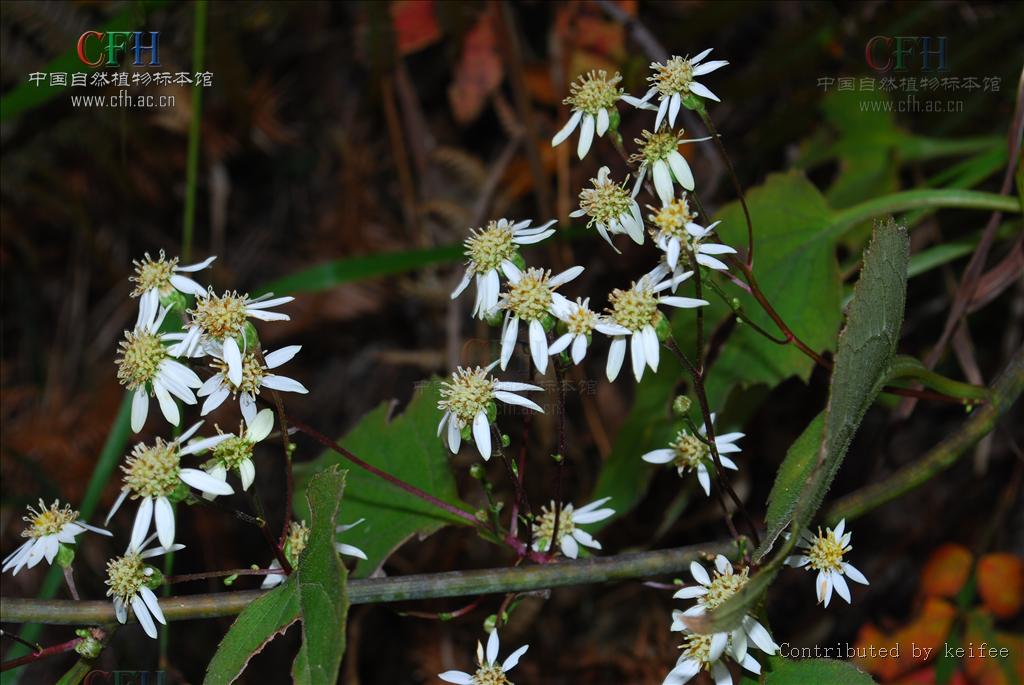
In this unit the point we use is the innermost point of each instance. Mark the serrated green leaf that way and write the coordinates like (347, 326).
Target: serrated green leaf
(406, 447)
(796, 268)
(789, 483)
(865, 350)
(322, 585)
(814, 672)
(258, 624)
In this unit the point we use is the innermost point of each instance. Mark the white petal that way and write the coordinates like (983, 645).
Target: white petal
(699, 56)
(718, 644)
(651, 347)
(586, 539)
(143, 617)
(143, 517)
(260, 427)
(187, 285)
(567, 130)
(579, 348)
(512, 386)
(722, 564)
(560, 344)
(509, 398)
(837, 532)
(152, 604)
(283, 383)
(616, 354)
(281, 356)
(661, 456)
(854, 575)
(673, 108)
(201, 480)
(681, 169)
(699, 573)
(565, 276)
(708, 67)
(247, 472)
(662, 111)
(702, 90)
(586, 136)
(603, 121)
(247, 405)
(691, 592)
(457, 677)
(823, 586)
(482, 435)
(841, 588)
(463, 284)
(140, 409)
(569, 546)
(720, 673)
(716, 248)
(759, 635)
(197, 446)
(233, 358)
(508, 340)
(672, 252)
(513, 659)
(662, 181)
(636, 348)
(164, 514)
(117, 505)
(167, 404)
(492, 647)
(539, 346)
(704, 479)
(119, 610)
(454, 435)
(262, 302)
(682, 302)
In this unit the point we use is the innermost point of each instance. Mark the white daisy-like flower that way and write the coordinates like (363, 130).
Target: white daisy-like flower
(824, 553)
(129, 581)
(152, 474)
(488, 250)
(146, 366)
(489, 670)
(592, 98)
(691, 453)
(234, 453)
(710, 593)
(531, 298)
(295, 544)
(255, 377)
(673, 81)
(163, 276)
(580, 323)
(659, 153)
(218, 323)
(612, 208)
(469, 399)
(677, 233)
(49, 527)
(636, 310)
(570, 535)
(705, 653)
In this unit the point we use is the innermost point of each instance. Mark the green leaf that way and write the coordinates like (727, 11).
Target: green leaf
(865, 350)
(322, 580)
(796, 267)
(331, 274)
(406, 447)
(789, 483)
(815, 672)
(258, 624)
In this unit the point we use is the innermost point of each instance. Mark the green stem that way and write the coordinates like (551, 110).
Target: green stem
(192, 163)
(909, 367)
(1005, 392)
(918, 199)
(395, 588)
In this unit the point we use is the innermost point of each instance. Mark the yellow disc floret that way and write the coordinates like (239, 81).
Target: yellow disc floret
(672, 219)
(723, 586)
(656, 146)
(47, 520)
(488, 247)
(594, 91)
(152, 471)
(126, 576)
(490, 675)
(634, 308)
(295, 543)
(606, 201)
(582, 320)
(220, 316)
(467, 394)
(826, 553)
(253, 372)
(233, 451)
(689, 450)
(530, 298)
(697, 647)
(150, 274)
(141, 354)
(544, 528)
(674, 76)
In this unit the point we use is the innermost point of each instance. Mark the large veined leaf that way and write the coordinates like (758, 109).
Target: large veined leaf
(782, 671)
(315, 592)
(863, 357)
(323, 596)
(796, 267)
(406, 447)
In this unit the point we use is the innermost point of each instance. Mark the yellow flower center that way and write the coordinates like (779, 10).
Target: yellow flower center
(490, 675)
(151, 274)
(826, 554)
(594, 91)
(674, 76)
(126, 576)
(672, 219)
(295, 543)
(544, 528)
(607, 200)
(723, 586)
(220, 317)
(530, 298)
(488, 247)
(467, 394)
(582, 320)
(233, 451)
(152, 471)
(141, 354)
(634, 308)
(252, 374)
(698, 648)
(689, 449)
(656, 146)
(47, 520)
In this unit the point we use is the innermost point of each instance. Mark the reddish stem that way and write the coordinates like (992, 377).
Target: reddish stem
(41, 654)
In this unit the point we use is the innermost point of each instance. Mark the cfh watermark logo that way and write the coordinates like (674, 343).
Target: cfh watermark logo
(886, 54)
(107, 48)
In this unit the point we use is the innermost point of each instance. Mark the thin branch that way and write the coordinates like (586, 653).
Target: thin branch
(665, 562)
(41, 654)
